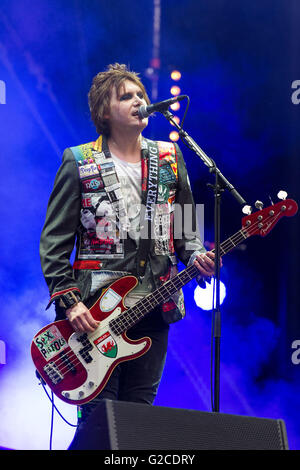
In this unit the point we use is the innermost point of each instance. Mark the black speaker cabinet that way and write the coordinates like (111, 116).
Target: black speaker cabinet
(116, 425)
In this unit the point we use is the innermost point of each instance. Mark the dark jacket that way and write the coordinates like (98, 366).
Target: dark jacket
(80, 180)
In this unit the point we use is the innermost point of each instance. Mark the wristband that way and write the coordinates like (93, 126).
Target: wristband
(69, 299)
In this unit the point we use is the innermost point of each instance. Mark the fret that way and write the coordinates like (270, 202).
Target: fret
(137, 308)
(231, 242)
(166, 287)
(230, 247)
(156, 293)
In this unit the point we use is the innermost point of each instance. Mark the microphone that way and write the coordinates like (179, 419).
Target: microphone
(145, 111)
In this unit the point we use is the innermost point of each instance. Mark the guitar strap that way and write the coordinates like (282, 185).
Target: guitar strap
(150, 179)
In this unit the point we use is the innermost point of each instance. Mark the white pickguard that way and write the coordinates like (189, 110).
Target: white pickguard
(98, 367)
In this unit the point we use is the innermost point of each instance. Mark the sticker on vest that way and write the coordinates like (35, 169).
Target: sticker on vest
(93, 247)
(166, 174)
(162, 229)
(109, 300)
(110, 179)
(88, 170)
(163, 193)
(99, 157)
(107, 168)
(92, 185)
(107, 345)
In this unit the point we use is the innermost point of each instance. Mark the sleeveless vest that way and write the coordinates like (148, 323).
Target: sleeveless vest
(104, 219)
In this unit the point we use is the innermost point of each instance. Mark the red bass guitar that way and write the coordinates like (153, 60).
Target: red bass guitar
(77, 366)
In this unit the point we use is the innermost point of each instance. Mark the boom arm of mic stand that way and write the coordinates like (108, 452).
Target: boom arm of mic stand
(206, 160)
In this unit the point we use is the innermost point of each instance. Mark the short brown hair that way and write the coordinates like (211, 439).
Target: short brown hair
(100, 93)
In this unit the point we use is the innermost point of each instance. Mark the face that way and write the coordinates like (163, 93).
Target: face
(123, 113)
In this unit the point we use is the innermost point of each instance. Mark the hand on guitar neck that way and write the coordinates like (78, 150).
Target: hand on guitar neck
(206, 264)
(81, 318)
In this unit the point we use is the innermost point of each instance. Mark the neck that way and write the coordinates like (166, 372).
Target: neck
(125, 146)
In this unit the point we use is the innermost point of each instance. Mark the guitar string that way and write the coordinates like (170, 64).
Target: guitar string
(237, 237)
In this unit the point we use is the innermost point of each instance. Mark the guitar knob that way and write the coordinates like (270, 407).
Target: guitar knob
(282, 195)
(259, 205)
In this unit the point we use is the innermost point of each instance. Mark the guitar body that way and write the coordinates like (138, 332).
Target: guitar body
(77, 366)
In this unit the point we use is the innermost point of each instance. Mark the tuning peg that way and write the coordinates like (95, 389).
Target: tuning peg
(247, 210)
(282, 195)
(259, 205)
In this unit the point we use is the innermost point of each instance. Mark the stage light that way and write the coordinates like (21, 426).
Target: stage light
(175, 90)
(175, 75)
(174, 136)
(204, 297)
(175, 106)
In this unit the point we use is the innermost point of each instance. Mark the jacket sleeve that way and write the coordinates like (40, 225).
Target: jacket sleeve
(187, 242)
(59, 231)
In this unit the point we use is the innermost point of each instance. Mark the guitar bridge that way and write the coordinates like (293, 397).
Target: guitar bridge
(53, 372)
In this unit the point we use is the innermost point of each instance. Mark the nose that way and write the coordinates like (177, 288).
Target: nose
(138, 100)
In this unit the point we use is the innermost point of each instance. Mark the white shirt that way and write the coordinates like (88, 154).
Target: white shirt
(130, 178)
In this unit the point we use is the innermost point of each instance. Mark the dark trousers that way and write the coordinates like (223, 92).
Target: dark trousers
(136, 380)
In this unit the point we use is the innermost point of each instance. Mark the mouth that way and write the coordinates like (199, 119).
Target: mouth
(135, 113)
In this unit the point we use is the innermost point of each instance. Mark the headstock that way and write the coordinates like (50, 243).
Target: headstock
(262, 221)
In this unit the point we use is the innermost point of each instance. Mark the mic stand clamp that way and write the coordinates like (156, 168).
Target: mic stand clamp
(221, 183)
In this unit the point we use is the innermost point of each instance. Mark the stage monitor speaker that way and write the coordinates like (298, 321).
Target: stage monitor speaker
(117, 425)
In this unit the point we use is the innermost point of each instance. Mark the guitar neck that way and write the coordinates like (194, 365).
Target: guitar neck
(134, 314)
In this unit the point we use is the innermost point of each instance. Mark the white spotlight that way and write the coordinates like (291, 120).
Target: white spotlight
(204, 297)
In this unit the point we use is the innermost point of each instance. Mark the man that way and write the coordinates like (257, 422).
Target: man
(109, 195)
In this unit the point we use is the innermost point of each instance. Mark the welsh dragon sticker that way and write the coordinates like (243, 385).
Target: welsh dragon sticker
(107, 345)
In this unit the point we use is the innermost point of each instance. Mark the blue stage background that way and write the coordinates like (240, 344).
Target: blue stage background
(239, 63)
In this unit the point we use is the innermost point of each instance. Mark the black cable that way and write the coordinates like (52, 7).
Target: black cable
(52, 419)
(186, 110)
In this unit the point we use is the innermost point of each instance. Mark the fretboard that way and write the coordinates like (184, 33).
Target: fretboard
(134, 314)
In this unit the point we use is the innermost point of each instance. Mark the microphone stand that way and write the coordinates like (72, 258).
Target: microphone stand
(221, 183)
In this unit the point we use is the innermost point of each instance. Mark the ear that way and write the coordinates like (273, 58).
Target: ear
(106, 115)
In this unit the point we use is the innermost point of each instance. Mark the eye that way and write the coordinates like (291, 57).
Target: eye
(126, 96)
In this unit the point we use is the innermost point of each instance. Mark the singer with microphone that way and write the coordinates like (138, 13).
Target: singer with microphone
(116, 199)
